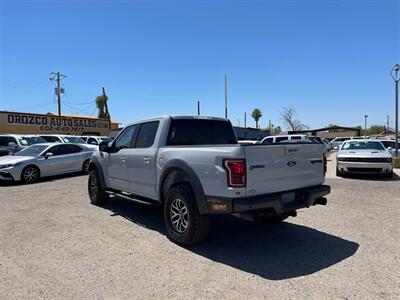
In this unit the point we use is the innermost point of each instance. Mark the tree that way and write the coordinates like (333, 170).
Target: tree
(101, 106)
(256, 115)
(277, 130)
(288, 117)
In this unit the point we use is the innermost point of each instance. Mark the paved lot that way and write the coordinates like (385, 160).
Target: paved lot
(54, 244)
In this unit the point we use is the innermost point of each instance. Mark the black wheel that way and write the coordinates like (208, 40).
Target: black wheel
(85, 166)
(30, 174)
(97, 194)
(388, 175)
(338, 173)
(185, 226)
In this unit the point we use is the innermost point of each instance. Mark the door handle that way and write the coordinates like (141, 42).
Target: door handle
(123, 158)
(147, 160)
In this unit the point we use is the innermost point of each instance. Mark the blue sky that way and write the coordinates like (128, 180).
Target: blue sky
(328, 59)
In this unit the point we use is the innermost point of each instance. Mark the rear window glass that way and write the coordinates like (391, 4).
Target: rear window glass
(280, 139)
(296, 138)
(200, 132)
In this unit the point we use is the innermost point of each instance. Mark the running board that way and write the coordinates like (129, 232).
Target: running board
(128, 196)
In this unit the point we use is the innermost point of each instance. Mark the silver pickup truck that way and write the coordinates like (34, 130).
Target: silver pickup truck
(195, 168)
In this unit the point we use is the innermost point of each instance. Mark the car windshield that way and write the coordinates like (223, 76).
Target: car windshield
(34, 150)
(73, 140)
(30, 140)
(363, 145)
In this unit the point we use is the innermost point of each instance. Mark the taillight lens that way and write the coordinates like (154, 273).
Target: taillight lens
(236, 172)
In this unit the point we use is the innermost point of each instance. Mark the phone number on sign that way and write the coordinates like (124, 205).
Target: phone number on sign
(61, 128)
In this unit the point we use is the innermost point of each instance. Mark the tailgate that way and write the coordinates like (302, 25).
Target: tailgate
(277, 168)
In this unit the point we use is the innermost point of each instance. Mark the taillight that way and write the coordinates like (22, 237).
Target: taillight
(325, 164)
(236, 172)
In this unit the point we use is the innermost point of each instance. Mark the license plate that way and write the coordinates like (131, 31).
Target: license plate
(288, 197)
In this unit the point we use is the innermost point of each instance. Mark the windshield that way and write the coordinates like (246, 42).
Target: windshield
(30, 140)
(363, 145)
(73, 140)
(34, 150)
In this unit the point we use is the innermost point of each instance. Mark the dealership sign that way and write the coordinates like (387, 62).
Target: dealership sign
(11, 122)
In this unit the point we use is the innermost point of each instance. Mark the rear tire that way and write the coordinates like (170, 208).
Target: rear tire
(30, 174)
(97, 194)
(275, 219)
(184, 224)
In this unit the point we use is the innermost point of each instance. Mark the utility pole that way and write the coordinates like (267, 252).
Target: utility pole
(106, 107)
(387, 124)
(57, 77)
(198, 108)
(365, 126)
(226, 97)
(396, 78)
(245, 124)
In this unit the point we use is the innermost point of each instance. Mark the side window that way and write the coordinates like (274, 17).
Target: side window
(70, 149)
(296, 138)
(56, 150)
(3, 141)
(146, 135)
(279, 139)
(127, 138)
(268, 141)
(92, 141)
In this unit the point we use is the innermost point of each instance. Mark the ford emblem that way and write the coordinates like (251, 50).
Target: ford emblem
(291, 163)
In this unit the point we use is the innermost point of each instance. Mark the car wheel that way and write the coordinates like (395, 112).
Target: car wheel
(184, 224)
(275, 219)
(85, 167)
(388, 175)
(30, 174)
(338, 173)
(97, 194)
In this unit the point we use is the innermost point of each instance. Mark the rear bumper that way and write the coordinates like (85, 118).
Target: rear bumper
(275, 203)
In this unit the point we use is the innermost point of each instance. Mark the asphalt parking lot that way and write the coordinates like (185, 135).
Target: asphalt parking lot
(54, 244)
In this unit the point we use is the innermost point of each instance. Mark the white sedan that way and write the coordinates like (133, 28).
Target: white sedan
(364, 156)
(42, 160)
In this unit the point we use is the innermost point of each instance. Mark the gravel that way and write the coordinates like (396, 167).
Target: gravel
(55, 245)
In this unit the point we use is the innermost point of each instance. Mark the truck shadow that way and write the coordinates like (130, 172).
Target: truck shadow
(274, 252)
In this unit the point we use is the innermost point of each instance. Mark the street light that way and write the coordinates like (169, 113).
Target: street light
(365, 126)
(395, 76)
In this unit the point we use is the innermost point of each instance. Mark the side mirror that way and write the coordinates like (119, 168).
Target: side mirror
(12, 144)
(47, 155)
(104, 147)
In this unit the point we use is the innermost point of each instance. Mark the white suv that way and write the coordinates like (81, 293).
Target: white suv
(285, 138)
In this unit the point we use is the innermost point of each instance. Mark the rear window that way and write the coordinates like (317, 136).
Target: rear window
(280, 139)
(200, 132)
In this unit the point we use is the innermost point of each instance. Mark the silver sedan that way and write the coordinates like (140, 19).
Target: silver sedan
(42, 160)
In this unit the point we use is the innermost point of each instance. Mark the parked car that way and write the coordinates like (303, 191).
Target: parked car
(54, 138)
(337, 141)
(195, 167)
(364, 156)
(42, 160)
(96, 140)
(284, 138)
(12, 143)
(389, 144)
(327, 143)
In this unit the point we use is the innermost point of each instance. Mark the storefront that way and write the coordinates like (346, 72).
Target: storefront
(28, 123)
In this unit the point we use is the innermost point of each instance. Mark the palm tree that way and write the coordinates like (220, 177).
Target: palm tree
(256, 115)
(101, 105)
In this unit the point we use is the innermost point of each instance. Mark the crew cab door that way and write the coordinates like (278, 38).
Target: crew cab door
(282, 167)
(141, 162)
(116, 162)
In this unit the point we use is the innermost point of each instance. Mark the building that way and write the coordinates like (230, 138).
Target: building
(330, 132)
(50, 123)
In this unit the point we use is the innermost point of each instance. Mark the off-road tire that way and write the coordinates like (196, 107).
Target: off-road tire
(198, 225)
(97, 194)
(275, 219)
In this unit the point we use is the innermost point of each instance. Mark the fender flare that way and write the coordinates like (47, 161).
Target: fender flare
(177, 171)
(95, 164)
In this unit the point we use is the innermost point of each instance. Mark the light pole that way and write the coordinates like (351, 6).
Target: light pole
(365, 126)
(395, 76)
